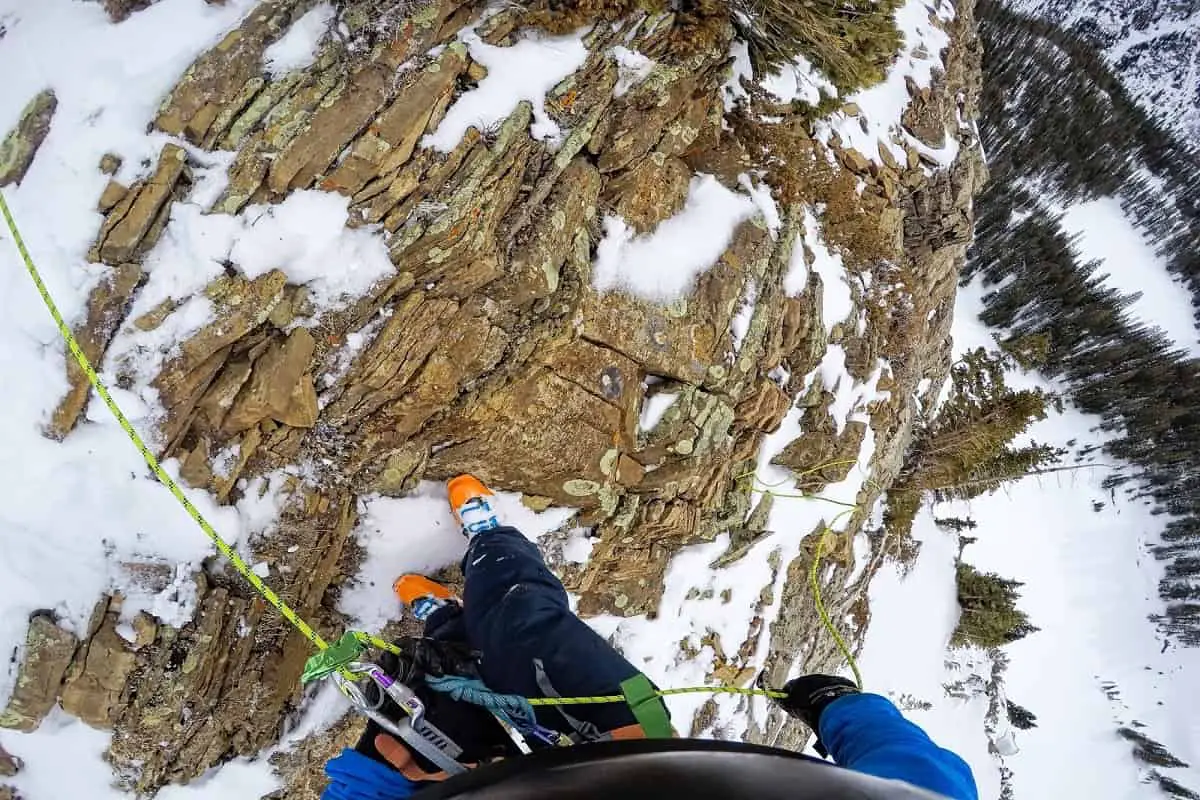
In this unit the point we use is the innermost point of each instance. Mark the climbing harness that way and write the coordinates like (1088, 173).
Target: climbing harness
(342, 661)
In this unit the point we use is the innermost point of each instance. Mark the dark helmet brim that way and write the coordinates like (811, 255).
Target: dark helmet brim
(695, 769)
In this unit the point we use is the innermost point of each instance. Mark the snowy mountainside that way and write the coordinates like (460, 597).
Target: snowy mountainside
(1079, 177)
(1097, 676)
(1154, 46)
(1083, 238)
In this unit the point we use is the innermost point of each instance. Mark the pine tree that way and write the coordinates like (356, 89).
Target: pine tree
(990, 617)
(1148, 751)
(956, 524)
(965, 451)
(1021, 718)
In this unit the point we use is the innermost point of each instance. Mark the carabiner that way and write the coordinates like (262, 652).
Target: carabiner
(414, 730)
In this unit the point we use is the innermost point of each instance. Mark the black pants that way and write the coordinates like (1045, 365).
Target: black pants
(515, 612)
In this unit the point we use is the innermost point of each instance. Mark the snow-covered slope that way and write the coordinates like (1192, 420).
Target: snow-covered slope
(77, 517)
(1155, 47)
(1097, 665)
(1131, 266)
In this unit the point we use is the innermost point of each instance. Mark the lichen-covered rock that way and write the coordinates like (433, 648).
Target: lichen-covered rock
(641, 117)
(106, 308)
(458, 252)
(763, 407)
(803, 337)
(470, 346)
(220, 76)
(334, 125)
(697, 423)
(22, 142)
(279, 385)
(133, 218)
(96, 681)
(9, 764)
(401, 347)
(651, 192)
(679, 341)
(558, 430)
(855, 161)
(536, 264)
(241, 306)
(113, 193)
(223, 682)
(821, 456)
(110, 163)
(47, 654)
(338, 121)
(390, 140)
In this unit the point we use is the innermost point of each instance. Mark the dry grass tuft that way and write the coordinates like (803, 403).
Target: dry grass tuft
(699, 25)
(853, 225)
(361, 25)
(801, 170)
(850, 41)
(565, 16)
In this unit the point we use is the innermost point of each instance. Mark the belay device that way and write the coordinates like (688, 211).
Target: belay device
(369, 698)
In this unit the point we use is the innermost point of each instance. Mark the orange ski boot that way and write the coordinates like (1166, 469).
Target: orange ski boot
(473, 504)
(421, 595)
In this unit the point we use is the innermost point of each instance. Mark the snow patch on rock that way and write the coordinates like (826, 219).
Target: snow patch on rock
(526, 71)
(836, 300)
(663, 266)
(653, 408)
(799, 81)
(297, 49)
(632, 69)
(882, 106)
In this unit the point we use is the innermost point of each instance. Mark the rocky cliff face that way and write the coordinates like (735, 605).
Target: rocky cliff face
(487, 349)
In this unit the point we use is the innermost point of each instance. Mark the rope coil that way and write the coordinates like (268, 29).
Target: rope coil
(515, 709)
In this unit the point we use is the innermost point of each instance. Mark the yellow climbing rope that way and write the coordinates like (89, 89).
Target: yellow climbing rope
(620, 698)
(163, 476)
(814, 570)
(814, 582)
(276, 602)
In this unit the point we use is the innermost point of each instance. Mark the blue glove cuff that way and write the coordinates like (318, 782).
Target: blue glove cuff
(354, 776)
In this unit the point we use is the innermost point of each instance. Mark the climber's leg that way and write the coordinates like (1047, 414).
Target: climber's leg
(517, 615)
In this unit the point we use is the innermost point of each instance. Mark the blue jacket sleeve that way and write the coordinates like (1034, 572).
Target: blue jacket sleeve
(353, 776)
(866, 733)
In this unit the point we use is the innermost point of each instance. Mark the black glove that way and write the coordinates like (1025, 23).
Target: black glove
(421, 656)
(475, 730)
(809, 695)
